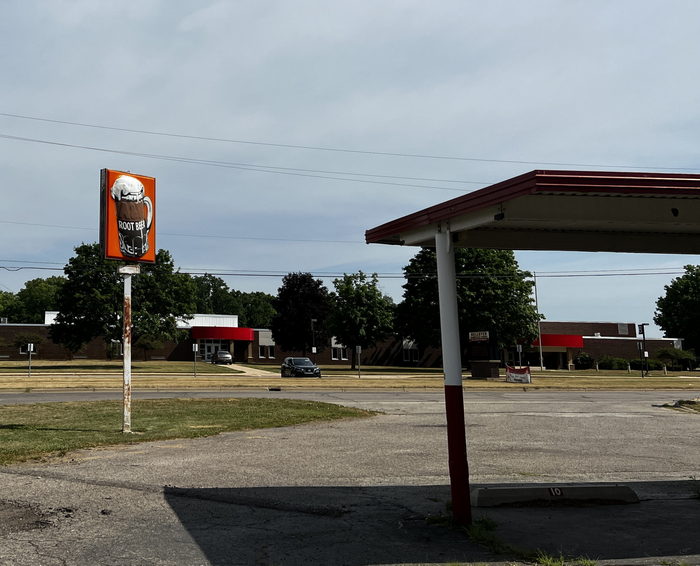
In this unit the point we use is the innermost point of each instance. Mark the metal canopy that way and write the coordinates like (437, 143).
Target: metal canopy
(541, 210)
(564, 210)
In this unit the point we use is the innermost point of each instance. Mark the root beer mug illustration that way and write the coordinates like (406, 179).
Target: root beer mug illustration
(134, 215)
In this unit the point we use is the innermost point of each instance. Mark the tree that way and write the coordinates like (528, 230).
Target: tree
(161, 296)
(9, 306)
(493, 294)
(361, 314)
(213, 296)
(300, 300)
(257, 309)
(91, 300)
(676, 359)
(678, 311)
(38, 296)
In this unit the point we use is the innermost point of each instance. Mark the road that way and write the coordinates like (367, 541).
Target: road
(357, 492)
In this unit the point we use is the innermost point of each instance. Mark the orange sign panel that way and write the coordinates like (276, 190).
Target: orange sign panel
(127, 216)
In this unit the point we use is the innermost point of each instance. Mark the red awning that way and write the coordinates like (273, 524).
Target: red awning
(222, 333)
(561, 340)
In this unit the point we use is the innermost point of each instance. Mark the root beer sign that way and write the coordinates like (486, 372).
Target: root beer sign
(127, 216)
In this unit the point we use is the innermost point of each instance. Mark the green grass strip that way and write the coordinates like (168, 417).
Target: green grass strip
(113, 366)
(52, 429)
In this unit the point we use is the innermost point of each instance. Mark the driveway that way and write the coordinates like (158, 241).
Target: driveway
(358, 492)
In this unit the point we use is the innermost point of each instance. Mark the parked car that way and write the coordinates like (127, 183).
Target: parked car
(299, 367)
(222, 357)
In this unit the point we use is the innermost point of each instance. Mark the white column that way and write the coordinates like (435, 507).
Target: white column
(449, 322)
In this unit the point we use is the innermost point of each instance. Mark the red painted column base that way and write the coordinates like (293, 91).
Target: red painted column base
(457, 455)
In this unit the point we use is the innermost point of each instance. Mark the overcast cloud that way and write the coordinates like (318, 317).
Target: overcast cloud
(587, 84)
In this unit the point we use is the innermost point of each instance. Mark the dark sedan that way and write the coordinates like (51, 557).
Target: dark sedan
(299, 367)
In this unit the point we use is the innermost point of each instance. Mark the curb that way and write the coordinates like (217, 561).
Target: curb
(555, 494)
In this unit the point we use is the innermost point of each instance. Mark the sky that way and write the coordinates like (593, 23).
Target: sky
(280, 131)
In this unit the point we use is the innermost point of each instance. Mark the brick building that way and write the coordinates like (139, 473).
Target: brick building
(561, 342)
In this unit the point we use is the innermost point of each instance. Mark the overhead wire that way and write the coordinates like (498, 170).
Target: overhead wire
(241, 166)
(524, 274)
(297, 172)
(316, 173)
(336, 149)
(177, 234)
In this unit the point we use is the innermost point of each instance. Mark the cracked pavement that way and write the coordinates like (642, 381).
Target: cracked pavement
(357, 492)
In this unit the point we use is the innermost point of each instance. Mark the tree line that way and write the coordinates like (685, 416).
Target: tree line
(304, 314)
(494, 294)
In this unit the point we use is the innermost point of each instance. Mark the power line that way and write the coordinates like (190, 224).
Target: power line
(216, 236)
(336, 149)
(388, 275)
(32, 261)
(296, 172)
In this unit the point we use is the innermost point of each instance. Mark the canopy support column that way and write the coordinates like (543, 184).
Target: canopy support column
(452, 365)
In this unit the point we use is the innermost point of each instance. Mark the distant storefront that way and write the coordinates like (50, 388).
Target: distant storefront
(214, 332)
(561, 343)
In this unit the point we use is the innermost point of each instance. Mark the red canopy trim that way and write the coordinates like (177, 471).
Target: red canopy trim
(561, 340)
(222, 333)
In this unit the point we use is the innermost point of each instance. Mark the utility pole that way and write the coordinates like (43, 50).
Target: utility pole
(643, 352)
(313, 338)
(539, 325)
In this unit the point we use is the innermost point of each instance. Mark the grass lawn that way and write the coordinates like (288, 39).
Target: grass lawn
(51, 429)
(110, 366)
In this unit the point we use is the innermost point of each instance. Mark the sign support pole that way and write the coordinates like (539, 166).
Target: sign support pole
(643, 354)
(30, 349)
(127, 271)
(452, 365)
(195, 349)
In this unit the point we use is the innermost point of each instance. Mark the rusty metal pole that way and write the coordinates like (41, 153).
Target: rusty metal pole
(127, 271)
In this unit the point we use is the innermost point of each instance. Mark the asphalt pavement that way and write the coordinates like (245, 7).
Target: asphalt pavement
(370, 491)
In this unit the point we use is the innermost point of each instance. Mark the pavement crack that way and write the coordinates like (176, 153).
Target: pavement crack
(44, 557)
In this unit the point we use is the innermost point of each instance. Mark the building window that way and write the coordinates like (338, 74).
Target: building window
(266, 352)
(410, 354)
(339, 353)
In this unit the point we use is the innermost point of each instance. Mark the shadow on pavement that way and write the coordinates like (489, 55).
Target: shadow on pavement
(387, 525)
